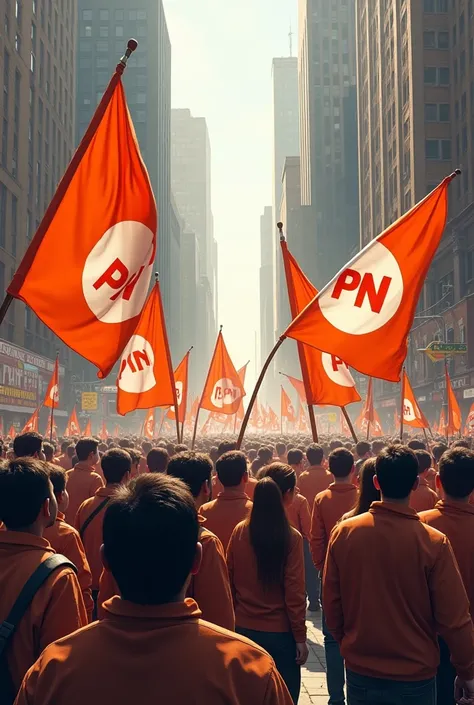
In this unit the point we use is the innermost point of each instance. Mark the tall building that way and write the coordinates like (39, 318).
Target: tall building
(103, 37)
(267, 326)
(327, 79)
(189, 305)
(191, 184)
(37, 121)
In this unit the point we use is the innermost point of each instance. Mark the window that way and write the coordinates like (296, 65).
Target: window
(141, 31)
(87, 15)
(3, 213)
(104, 15)
(102, 63)
(443, 76)
(119, 31)
(141, 98)
(429, 39)
(14, 224)
(443, 40)
(430, 75)
(431, 112)
(141, 14)
(119, 15)
(86, 31)
(429, 5)
(432, 149)
(102, 46)
(104, 31)
(446, 149)
(444, 112)
(132, 15)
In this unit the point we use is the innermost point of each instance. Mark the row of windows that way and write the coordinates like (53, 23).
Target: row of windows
(437, 112)
(435, 40)
(436, 76)
(13, 220)
(87, 31)
(438, 149)
(433, 6)
(120, 15)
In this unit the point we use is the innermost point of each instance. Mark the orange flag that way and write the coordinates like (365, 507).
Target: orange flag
(256, 417)
(181, 383)
(454, 412)
(145, 378)
(149, 425)
(32, 423)
(287, 408)
(366, 311)
(223, 390)
(88, 429)
(326, 375)
(51, 399)
(442, 423)
(12, 432)
(191, 416)
(73, 428)
(274, 421)
(412, 414)
(302, 421)
(103, 434)
(242, 374)
(97, 239)
(298, 384)
(51, 429)
(470, 422)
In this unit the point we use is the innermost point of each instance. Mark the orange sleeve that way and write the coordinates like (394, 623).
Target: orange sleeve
(276, 692)
(96, 483)
(305, 520)
(331, 594)
(230, 566)
(65, 612)
(75, 552)
(107, 589)
(211, 586)
(318, 539)
(295, 589)
(78, 518)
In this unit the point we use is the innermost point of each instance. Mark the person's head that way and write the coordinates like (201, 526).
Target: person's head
(213, 454)
(28, 444)
(232, 469)
(251, 454)
(314, 454)
(194, 469)
(368, 493)
(437, 450)
(136, 457)
(116, 464)
(153, 516)
(377, 446)
(87, 451)
(336, 444)
(181, 448)
(27, 501)
(102, 447)
(146, 447)
(265, 455)
(225, 447)
(170, 449)
(71, 452)
(456, 473)
(461, 443)
(415, 444)
(341, 463)
(256, 465)
(157, 460)
(363, 450)
(281, 450)
(284, 476)
(64, 446)
(58, 479)
(124, 443)
(48, 450)
(396, 472)
(295, 459)
(424, 461)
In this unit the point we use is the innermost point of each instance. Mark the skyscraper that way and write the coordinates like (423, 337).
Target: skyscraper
(267, 332)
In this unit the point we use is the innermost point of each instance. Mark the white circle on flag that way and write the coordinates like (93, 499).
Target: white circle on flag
(365, 295)
(408, 411)
(54, 393)
(337, 370)
(179, 393)
(225, 393)
(136, 373)
(117, 272)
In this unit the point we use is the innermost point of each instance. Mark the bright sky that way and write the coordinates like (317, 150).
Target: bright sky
(222, 54)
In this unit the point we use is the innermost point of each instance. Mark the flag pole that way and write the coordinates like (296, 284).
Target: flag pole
(236, 413)
(402, 401)
(203, 390)
(281, 412)
(349, 423)
(53, 402)
(186, 399)
(447, 398)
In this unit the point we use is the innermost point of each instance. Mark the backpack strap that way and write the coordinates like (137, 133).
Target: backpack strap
(92, 516)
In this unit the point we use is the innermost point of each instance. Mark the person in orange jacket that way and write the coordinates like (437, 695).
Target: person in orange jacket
(423, 497)
(82, 481)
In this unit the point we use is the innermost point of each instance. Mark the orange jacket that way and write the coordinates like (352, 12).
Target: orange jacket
(423, 498)
(390, 586)
(456, 520)
(299, 515)
(82, 483)
(151, 654)
(312, 481)
(92, 538)
(64, 461)
(56, 610)
(66, 541)
(329, 506)
(226, 511)
(281, 608)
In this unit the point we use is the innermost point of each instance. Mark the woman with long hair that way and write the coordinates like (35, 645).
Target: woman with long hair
(266, 570)
(367, 491)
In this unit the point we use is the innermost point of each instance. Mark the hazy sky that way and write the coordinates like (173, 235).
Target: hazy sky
(222, 54)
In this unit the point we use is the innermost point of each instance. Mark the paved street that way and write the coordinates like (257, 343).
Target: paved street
(313, 690)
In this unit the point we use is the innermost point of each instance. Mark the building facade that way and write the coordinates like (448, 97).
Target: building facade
(267, 301)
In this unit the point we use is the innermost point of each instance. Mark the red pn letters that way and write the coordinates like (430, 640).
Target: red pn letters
(351, 280)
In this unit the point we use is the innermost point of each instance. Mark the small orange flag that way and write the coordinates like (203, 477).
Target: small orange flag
(191, 415)
(87, 270)
(104, 434)
(242, 374)
(88, 429)
(223, 390)
(51, 429)
(366, 311)
(12, 432)
(287, 408)
(298, 384)
(149, 424)
(412, 414)
(32, 423)
(274, 421)
(442, 423)
(454, 412)
(470, 421)
(302, 420)
(73, 428)
(181, 383)
(51, 399)
(256, 417)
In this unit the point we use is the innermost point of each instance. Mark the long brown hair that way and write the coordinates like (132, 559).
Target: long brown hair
(269, 531)
(367, 491)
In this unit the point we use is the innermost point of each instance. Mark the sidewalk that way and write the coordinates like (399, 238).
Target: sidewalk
(313, 688)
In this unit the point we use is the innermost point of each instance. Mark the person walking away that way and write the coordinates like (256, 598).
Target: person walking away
(316, 478)
(423, 498)
(82, 481)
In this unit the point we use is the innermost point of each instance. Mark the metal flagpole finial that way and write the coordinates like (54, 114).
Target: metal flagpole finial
(157, 277)
(131, 46)
(280, 230)
(220, 329)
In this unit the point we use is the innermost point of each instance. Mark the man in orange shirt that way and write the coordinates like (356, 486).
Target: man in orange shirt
(116, 465)
(423, 498)
(64, 460)
(296, 461)
(82, 481)
(408, 590)
(454, 517)
(66, 540)
(27, 507)
(152, 646)
(329, 506)
(316, 478)
(232, 505)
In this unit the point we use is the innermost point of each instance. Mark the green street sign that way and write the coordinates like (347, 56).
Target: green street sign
(436, 351)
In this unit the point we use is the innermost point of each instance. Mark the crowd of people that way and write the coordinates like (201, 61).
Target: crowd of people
(133, 570)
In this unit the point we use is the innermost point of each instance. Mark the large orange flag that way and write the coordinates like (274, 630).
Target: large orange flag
(454, 412)
(32, 423)
(88, 429)
(149, 424)
(87, 270)
(51, 399)
(223, 390)
(181, 383)
(287, 408)
(412, 414)
(146, 378)
(365, 312)
(73, 428)
(326, 375)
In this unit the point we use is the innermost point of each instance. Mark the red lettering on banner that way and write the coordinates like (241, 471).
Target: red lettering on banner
(141, 356)
(178, 394)
(336, 363)
(127, 291)
(117, 267)
(348, 281)
(351, 280)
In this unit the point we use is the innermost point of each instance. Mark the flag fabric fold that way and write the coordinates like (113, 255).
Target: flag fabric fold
(454, 412)
(412, 414)
(287, 408)
(32, 423)
(51, 399)
(181, 375)
(73, 428)
(223, 391)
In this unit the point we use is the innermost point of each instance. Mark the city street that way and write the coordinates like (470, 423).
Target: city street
(313, 687)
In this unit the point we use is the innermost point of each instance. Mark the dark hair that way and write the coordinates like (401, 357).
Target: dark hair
(64, 446)
(71, 452)
(362, 448)
(231, 468)
(181, 448)
(367, 491)
(282, 474)
(135, 455)
(424, 460)
(295, 456)
(146, 446)
(257, 464)
(314, 454)
(225, 447)
(265, 454)
(157, 460)
(341, 462)
(251, 454)
(24, 486)
(27, 444)
(115, 464)
(280, 449)
(124, 443)
(58, 478)
(193, 468)
(416, 445)
(456, 472)
(461, 443)
(85, 447)
(150, 534)
(377, 446)
(48, 451)
(336, 444)
(269, 531)
(438, 449)
(396, 468)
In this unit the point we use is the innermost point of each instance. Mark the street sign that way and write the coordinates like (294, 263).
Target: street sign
(89, 401)
(437, 351)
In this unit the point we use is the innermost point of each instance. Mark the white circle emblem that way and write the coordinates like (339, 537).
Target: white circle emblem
(137, 366)
(225, 393)
(337, 370)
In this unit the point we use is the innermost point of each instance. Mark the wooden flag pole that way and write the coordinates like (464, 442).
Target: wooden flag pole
(447, 399)
(349, 423)
(203, 390)
(402, 401)
(52, 405)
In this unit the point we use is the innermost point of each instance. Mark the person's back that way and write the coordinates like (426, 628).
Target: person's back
(152, 645)
(423, 497)
(316, 478)
(299, 515)
(82, 481)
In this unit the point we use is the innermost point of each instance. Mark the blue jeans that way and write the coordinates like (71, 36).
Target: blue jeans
(311, 579)
(362, 690)
(334, 668)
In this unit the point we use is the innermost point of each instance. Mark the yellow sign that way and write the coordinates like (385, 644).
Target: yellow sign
(89, 401)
